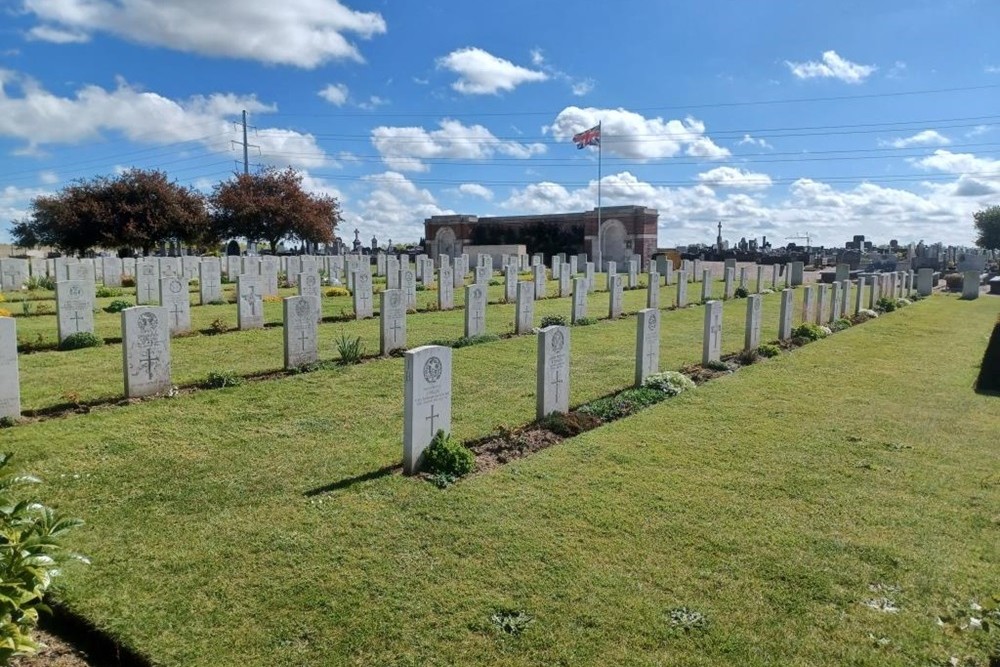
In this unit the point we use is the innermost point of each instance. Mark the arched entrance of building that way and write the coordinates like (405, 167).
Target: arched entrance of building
(613, 243)
(444, 242)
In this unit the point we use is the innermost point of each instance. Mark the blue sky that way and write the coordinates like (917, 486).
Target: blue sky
(777, 118)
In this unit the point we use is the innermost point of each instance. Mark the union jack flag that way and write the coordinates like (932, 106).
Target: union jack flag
(591, 137)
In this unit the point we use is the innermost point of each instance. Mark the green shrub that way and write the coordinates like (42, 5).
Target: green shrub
(218, 326)
(222, 379)
(446, 455)
(466, 341)
(670, 383)
(586, 321)
(510, 621)
(117, 306)
(902, 303)
(747, 357)
(32, 555)
(885, 305)
(768, 350)
(841, 324)
(954, 281)
(569, 424)
(80, 340)
(351, 350)
(495, 282)
(716, 365)
(103, 292)
(553, 320)
(809, 331)
(27, 307)
(864, 315)
(623, 404)
(741, 293)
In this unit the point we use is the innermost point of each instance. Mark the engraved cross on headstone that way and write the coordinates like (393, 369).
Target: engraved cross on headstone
(431, 419)
(76, 319)
(251, 299)
(395, 328)
(557, 381)
(147, 362)
(149, 291)
(177, 314)
(302, 340)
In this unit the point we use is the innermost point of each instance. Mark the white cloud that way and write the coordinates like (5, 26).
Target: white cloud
(47, 33)
(832, 67)
(14, 202)
(978, 130)
(335, 94)
(748, 140)
(394, 208)
(731, 177)
(578, 86)
(992, 69)
(41, 118)
(631, 135)
(582, 87)
(476, 190)
(924, 138)
(303, 33)
(405, 148)
(482, 73)
(959, 163)
(372, 102)
(48, 177)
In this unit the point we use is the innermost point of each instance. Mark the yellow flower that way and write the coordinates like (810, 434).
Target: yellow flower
(4, 312)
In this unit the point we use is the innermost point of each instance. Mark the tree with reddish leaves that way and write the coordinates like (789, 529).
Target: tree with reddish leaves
(271, 206)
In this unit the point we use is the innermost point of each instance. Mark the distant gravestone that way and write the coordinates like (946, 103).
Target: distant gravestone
(249, 302)
(310, 286)
(615, 293)
(845, 297)
(209, 282)
(482, 275)
(409, 286)
(426, 401)
(712, 341)
(785, 317)
(682, 289)
(729, 290)
(293, 267)
(647, 344)
(170, 267)
(13, 273)
(797, 269)
(392, 315)
(774, 276)
(475, 310)
(970, 285)
(251, 266)
(364, 302)
(859, 297)
(458, 272)
(446, 288)
(590, 275)
(843, 272)
(10, 383)
(744, 278)
(74, 307)
(189, 267)
(82, 270)
(38, 267)
(552, 391)
(300, 330)
(809, 303)
(612, 268)
(174, 297)
(147, 282)
(565, 275)
(653, 291)
(706, 286)
(524, 320)
(925, 282)
(760, 279)
(730, 264)
(146, 351)
(835, 301)
(694, 269)
(113, 271)
(539, 281)
(556, 266)
(269, 274)
(579, 308)
(234, 266)
(574, 264)
(823, 306)
(633, 274)
(751, 339)
(391, 273)
(510, 283)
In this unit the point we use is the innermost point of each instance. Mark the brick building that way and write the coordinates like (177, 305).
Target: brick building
(625, 230)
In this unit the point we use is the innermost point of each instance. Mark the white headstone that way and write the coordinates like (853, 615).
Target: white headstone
(482, 275)
(524, 318)
(682, 289)
(269, 274)
(170, 267)
(145, 350)
(633, 274)
(752, 338)
(809, 303)
(552, 391)
(446, 288)
(706, 286)
(391, 273)
(579, 308)
(970, 285)
(510, 283)
(835, 302)
(925, 282)
(760, 279)
(712, 343)
(147, 281)
(174, 297)
(565, 275)
(615, 294)
(408, 281)
(13, 273)
(730, 291)
(845, 298)
(234, 266)
(74, 307)
(823, 304)
(300, 330)
(209, 281)
(189, 267)
(10, 384)
(426, 401)
(249, 301)
(744, 279)
(311, 286)
(647, 344)
(785, 317)
(540, 284)
(774, 276)
(797, 269)
(591, 277)
(859, 296)
(475, 310)
(113, 271)
(653, 291)
(458, 273)
(364, 302)
(392, 315)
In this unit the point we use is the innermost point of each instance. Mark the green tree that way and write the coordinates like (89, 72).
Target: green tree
(987, 223)
(271, 206)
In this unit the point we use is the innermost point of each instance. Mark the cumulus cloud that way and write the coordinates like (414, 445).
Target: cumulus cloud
(959, 163)
(578, 86)
(47, 33)
(482, 73)
(748, 140)
(832, 67)
(476, 190)
(924, 138)
(631, 135)
(405, 148)
(731, 177)
(302, 33)
(394, 208)
(335, 94)
(41, 118)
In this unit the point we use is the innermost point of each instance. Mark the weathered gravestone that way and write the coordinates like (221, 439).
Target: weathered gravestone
(234, 267)
(845, 298)
(249, 302)
(760, 279)
(524, 319)
(925, 282)
(113, 271)
(446, 289)
(13, 273)
(174, 297)
(426, 401)
(647, 344)
(774, 276)
(859, 296)
(475, 310)
(682, 289)
(633, 274)
(591, 277)
(653, 291)
(824, 304)
(170, 267)
(392, 315)
(835, 301)
(729, 290)
(540, 286)
(712, 341)
(189, 267)
(147, 282)
(797, 270)
(615, 293)
(482, 275)
(510, 283)
(552, 391)
(809, 303)
(752, 338)
(209, 282)
(310, 285)
(409, 286)
(251, 266)
(300, 330)
(458, 272)
(74, 307)
(706, 286)
(145, 350)
(579, 308)
(392, 273)
(364, 302)
(565, 286)
(970, 285)
(785, 317)
(82, 270)
(10, 384)
(269, 274)
(744, 278)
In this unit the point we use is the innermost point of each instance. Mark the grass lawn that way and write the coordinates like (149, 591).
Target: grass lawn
(769, 500)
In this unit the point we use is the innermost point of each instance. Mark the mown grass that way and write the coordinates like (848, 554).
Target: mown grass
(768, 500)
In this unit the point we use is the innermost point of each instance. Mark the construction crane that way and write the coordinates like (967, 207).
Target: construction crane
(805, 236)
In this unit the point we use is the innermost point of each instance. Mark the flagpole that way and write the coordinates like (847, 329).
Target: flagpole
(600, 144)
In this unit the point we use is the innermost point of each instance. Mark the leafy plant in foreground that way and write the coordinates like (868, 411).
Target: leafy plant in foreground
(885, 305)
(447, 456)
(351, 350)
(117, 306)
(553, 320)
(79, 340)
(670, 383)
(809, 331)
(768, 350)
(510, 621)
(222, 379)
